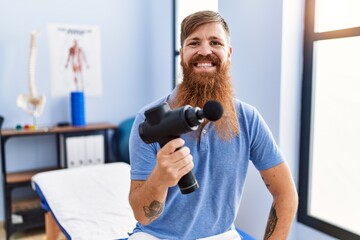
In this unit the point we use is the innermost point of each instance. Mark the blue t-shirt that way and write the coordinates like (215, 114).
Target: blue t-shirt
(220, 168)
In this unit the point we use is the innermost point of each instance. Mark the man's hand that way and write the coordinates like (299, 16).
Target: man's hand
(172, 164)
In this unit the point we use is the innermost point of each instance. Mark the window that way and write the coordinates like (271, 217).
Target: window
(183, 8)
(330, 125)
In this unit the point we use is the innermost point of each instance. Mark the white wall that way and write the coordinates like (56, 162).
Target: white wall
(291, 77)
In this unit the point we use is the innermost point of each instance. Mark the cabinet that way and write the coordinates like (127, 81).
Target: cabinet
(76, 146)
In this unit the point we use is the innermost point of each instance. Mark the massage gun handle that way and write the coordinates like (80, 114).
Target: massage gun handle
(188, 182)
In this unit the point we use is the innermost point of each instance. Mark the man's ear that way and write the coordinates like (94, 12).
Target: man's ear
(181, 55)
(230, 52)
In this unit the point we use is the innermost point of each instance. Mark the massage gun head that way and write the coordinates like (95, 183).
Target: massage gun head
(212, 110)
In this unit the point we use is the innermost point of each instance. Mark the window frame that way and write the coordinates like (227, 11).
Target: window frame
(310, 38)
(175, 52)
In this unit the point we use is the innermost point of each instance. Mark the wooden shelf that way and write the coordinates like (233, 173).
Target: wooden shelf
(52, 130)
(23, 205)
(25, 176)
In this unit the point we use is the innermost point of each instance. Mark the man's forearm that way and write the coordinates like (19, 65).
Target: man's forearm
(280, 218)
(147, 201)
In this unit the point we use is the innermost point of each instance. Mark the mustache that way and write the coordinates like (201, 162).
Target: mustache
(210, 57)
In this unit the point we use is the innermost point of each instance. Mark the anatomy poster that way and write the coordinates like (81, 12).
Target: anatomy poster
(75, 59)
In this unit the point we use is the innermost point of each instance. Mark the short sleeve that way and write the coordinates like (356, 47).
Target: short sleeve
(264, 152)
(142, 155)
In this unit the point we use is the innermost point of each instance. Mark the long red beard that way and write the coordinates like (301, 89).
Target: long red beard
(198, 88)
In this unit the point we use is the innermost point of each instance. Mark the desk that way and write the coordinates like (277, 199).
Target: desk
(32, 218)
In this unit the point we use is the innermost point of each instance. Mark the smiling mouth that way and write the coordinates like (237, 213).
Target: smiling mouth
(204, 65)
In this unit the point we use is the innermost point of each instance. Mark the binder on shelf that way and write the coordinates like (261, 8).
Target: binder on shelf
(84, 150)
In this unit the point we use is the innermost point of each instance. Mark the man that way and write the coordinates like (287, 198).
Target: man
(218, 153)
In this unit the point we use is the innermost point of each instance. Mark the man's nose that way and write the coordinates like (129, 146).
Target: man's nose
(204, 51)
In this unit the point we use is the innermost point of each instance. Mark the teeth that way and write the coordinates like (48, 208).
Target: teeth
(204, 65)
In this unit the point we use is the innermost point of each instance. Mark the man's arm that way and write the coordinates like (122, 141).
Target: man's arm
(147, 198)
(279, 182)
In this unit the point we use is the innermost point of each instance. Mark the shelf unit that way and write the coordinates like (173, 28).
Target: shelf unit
(24, 214)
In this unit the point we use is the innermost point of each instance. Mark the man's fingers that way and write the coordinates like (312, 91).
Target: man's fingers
(184, 161)
(171, 146)
(181, 153)
(186, 168)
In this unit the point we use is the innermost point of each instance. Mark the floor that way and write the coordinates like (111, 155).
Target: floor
(37, 234)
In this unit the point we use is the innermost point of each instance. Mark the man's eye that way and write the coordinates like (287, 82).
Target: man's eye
(214, 43)
(193, 44)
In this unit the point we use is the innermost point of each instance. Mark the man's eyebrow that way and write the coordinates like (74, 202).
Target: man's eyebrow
(197, 38)
(192, 39)
(215, 38)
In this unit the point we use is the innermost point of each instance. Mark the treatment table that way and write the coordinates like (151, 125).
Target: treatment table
(86, 202)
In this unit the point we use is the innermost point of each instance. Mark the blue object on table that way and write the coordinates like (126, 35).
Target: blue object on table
(77, 109)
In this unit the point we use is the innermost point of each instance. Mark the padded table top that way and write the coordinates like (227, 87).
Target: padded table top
(88, 202)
